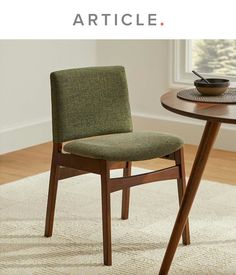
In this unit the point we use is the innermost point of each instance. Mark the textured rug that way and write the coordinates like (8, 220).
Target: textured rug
(138, 243)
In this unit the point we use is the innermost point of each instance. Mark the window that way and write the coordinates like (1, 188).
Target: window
(211, 58)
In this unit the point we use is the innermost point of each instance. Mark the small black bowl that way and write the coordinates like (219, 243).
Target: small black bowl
(217, 86)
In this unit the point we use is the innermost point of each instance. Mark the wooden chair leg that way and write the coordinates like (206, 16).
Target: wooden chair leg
(106, 217)
(179, 159)
(52, 193)
(126, 193)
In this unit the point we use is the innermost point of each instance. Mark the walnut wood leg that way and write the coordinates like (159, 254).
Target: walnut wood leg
(126, 194)
(181, 183)
(106, 217)
(52, 193)
(207, 141)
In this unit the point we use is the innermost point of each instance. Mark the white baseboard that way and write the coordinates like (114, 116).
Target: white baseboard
(23, 136)
(190, 131)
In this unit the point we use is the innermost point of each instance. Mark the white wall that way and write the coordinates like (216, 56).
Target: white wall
(148, 64)
(146, 67)
(25, 65)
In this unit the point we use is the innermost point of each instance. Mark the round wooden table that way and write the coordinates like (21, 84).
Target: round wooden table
(214, 115)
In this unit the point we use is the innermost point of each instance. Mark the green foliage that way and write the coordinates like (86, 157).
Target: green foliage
(215, 56)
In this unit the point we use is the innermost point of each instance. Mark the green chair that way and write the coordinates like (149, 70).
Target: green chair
(91, 113)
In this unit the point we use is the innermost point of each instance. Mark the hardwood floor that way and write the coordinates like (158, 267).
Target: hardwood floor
(36, 159)
(24, 163)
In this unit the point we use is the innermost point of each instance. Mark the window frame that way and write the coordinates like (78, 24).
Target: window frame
(180, 62)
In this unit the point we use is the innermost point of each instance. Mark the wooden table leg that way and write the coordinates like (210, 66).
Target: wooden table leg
(207, 141)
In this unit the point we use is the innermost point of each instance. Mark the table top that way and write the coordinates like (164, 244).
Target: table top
(225, 113)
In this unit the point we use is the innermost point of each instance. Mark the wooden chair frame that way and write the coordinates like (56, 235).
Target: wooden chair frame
(66, 165)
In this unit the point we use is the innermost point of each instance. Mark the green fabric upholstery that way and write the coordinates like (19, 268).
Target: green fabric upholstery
(88, 102)
(90, 106)
(125, 146)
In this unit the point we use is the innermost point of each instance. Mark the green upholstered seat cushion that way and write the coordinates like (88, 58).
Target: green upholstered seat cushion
(125, 146)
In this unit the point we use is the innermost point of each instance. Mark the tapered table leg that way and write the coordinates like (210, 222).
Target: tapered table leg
(207, 141)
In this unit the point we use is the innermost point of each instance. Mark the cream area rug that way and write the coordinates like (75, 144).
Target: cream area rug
(138, 243)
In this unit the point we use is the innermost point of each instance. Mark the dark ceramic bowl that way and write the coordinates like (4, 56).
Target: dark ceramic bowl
(217, 86)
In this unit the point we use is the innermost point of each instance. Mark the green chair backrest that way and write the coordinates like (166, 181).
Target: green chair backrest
(88, 102)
